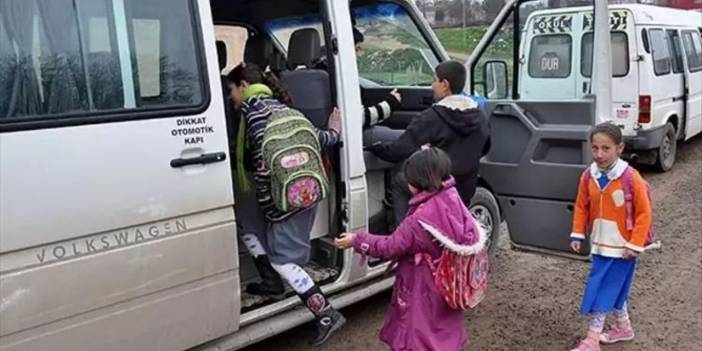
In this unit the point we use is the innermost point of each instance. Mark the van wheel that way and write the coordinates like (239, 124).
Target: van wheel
(667, 150)
(484, 207)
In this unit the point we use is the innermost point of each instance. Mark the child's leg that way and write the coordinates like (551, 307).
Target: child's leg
(253, 245)
(592, 342)
(622, 331)
(597, 324)
(622, 316)
(296, 277)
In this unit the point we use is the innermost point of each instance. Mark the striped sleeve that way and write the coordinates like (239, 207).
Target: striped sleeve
(379, 112)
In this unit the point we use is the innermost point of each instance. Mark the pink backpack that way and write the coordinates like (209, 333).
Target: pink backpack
(461, 272)
(628, 188)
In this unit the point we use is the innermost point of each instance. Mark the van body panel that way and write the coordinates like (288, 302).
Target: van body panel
(105, 242)
(130, 180)
(166, 320)
(207, 250)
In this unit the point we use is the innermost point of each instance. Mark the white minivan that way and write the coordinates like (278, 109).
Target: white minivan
(117, 221)
(656, 71)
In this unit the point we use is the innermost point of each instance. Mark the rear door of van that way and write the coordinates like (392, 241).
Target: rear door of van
(547, 69)
(117, 229)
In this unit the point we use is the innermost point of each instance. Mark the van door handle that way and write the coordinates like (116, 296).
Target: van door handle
(200, 160)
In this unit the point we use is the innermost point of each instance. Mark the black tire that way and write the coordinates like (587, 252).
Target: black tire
(484, 207)
(665, 158)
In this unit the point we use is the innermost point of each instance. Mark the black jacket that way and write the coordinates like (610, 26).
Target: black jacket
(457, 126)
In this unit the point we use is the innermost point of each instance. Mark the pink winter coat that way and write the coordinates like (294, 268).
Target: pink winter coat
(418, 318)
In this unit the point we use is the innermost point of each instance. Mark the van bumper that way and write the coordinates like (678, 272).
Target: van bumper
(645, 139)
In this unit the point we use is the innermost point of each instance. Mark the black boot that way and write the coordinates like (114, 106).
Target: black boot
(271, 285)
(328, 320)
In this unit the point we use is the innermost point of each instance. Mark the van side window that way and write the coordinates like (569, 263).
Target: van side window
(620, 54)
(676, 50)
(645, 41)
(661, 55)
(693, 50)
(71, 58)
(550, 56)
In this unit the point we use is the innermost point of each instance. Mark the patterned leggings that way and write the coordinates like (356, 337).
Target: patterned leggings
(598, 319)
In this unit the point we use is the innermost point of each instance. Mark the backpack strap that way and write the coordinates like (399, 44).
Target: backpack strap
(586, 177)
(627, 187)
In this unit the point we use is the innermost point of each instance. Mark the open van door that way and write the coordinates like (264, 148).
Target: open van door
(539, 147)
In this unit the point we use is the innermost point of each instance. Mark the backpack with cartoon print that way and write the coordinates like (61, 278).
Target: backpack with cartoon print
(460, 275)
(628, 189)
(292, 152)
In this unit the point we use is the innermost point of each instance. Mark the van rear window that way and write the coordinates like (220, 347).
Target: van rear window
(620, 54)
(550, 56)
(70, 58)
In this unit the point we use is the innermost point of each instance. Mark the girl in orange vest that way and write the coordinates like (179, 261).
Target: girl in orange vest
(601, 209)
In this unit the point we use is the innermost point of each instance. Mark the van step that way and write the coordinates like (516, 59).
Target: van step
(319, 274)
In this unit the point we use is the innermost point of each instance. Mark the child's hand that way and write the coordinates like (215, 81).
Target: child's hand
(335, 120)
(396, 95)
(575, 246)
(344, 241)
(629, 254)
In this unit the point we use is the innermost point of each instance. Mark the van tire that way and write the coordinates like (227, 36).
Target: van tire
(665, 155)
(486, 211)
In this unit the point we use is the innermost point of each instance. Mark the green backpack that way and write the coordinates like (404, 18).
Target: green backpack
(293, 155)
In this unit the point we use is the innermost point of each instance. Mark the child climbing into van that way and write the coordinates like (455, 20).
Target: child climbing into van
(613, 204)
(424, 315)
(285, 247)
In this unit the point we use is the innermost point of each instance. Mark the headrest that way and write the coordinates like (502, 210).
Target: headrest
(304, 48)
(256, 50)
(221, 54)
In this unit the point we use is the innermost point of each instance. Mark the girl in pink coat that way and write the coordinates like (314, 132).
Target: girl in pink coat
(418, 318)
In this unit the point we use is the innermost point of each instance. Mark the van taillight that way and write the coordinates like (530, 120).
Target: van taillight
(644, 108)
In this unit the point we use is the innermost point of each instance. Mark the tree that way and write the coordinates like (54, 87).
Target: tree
(492, 8)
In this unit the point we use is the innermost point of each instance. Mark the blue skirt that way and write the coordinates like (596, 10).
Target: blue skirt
(608, 284)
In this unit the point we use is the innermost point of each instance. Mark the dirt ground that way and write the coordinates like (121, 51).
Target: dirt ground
(533, 299)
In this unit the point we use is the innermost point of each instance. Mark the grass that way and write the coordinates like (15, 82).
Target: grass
(460, 43)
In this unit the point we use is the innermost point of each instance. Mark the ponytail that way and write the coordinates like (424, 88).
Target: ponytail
(279, 92)
(252, 74)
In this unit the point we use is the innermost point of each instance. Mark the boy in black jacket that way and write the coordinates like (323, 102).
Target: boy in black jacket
(454, 123)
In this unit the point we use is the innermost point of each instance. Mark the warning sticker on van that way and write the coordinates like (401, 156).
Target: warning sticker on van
(617, 20)
(553, 24)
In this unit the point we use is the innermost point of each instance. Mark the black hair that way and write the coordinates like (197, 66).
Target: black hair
(454, 72)
(357, 36)
(427, 169)
(252, 74)
(609, 129)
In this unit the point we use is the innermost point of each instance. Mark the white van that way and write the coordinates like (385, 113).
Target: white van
(117, 228)
(656, 69)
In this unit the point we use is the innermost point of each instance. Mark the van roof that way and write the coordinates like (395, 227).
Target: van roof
(643, 14)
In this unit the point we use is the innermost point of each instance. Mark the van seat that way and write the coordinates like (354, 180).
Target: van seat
(308, 87)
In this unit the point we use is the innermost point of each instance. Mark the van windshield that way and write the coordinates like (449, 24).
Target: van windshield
(394, 52)
(282, 28)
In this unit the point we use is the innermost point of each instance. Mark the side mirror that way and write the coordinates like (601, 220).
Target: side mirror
(495, 75)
